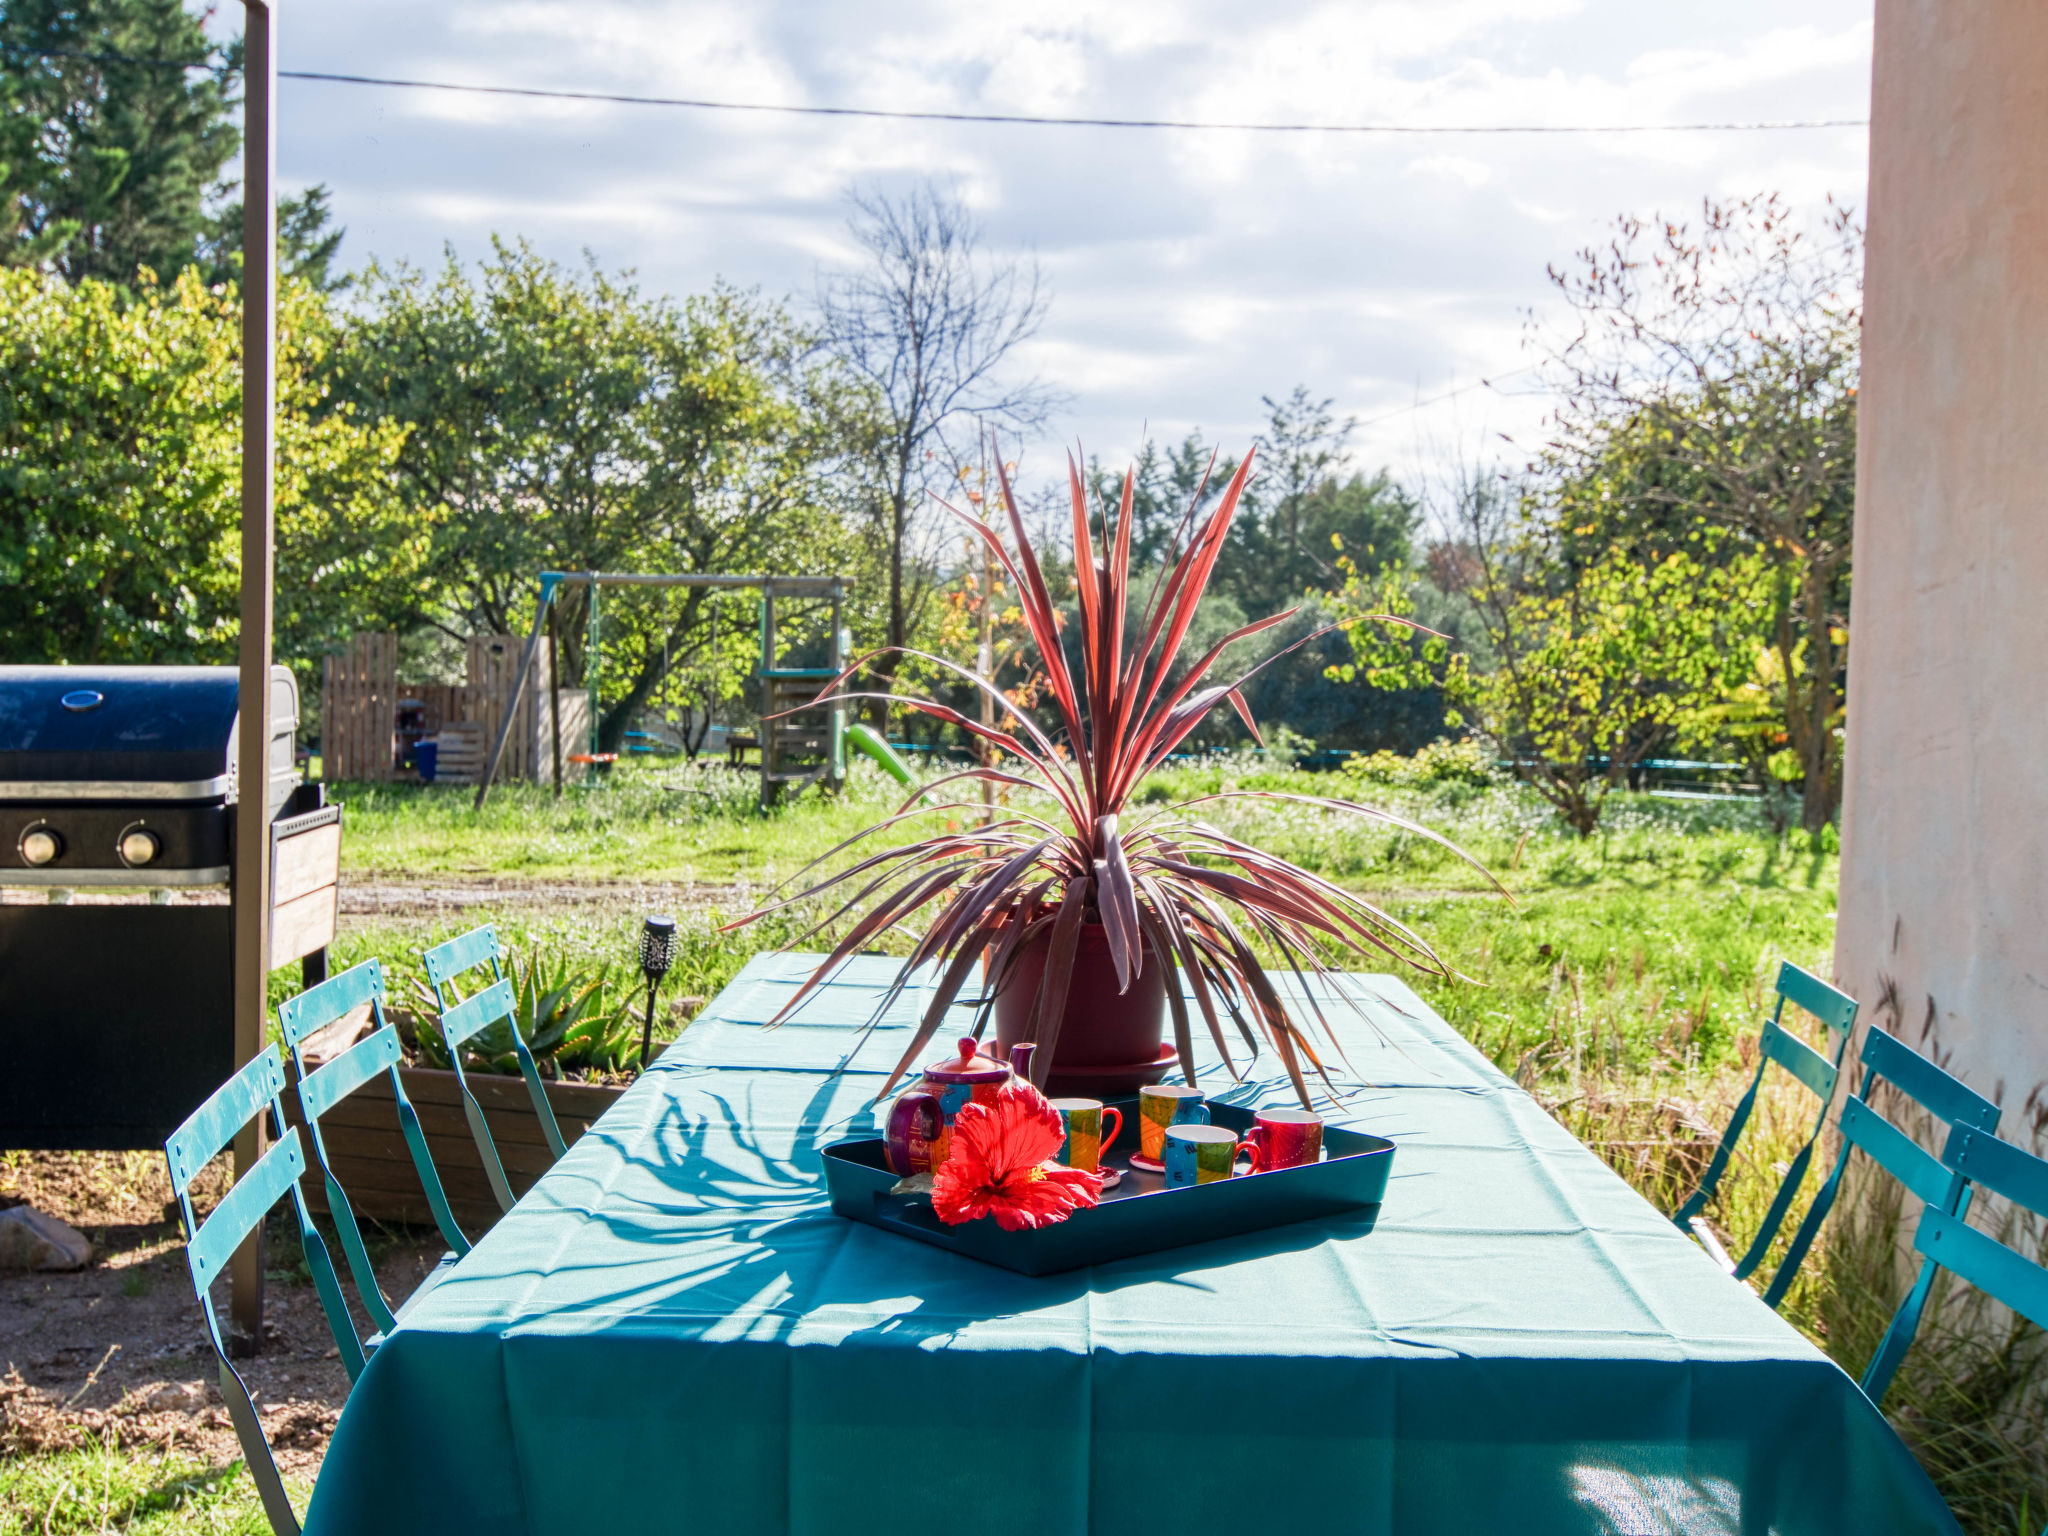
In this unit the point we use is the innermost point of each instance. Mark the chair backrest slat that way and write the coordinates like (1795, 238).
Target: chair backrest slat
(1896, 1152)
(209, 1129)
(472, 1016)
(1986, 1263)
(334, 998)
(1927, 1084)
(254, 1193)
(1832, 1006)
(447, 961)
(2000, 1167)
(1800, 1059)
(330, 1084)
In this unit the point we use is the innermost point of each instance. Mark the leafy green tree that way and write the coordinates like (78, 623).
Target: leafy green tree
(105, 165)
(1590, 666)
(561, 420)
(1308, 510)
(308, 243)
(120, 478)
(1708, 373)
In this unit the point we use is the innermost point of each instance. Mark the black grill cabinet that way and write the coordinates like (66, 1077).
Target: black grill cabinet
(117, 1017)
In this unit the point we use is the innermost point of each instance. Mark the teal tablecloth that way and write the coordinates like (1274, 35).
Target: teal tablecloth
(672, 1332)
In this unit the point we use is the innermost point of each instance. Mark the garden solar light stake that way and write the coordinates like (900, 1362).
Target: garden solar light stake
(657, 954)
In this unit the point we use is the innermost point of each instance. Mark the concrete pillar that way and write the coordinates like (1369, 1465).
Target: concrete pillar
(1943, 930)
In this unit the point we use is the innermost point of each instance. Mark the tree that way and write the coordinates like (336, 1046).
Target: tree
(1590, 666)
(105, 165)
(929, 326)
(563, 421)
(1307, 510)
(308, 242)
(1165, 488)
(120, 478)
(1708, 378)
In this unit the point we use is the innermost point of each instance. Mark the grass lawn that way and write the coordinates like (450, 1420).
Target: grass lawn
(1647, 947)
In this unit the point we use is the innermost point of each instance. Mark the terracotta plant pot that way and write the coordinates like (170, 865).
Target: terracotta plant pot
(1109, 1042)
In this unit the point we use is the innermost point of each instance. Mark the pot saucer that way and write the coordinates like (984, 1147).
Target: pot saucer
(1111, 1080)
(1111, 1177)
(1144, 1164)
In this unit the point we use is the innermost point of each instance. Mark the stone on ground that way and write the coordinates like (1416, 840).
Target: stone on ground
(30, 1239)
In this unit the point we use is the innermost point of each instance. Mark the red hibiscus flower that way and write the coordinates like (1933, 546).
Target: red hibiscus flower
(999, 1165)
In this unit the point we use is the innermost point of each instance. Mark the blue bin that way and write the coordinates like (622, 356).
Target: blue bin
(426, 756)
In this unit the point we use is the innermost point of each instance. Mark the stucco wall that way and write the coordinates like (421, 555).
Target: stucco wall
(1944, 910)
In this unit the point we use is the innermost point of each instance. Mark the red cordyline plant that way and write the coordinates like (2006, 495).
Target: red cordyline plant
(1166, 887)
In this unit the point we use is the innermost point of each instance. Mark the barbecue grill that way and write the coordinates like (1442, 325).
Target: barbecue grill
(117, 1015)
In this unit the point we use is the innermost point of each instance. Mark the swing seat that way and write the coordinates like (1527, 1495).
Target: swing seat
(593, 757)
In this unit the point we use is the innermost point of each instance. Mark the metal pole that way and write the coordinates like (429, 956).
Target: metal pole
(555, 689)
(590, 666)
(547, 592)
(251, 950)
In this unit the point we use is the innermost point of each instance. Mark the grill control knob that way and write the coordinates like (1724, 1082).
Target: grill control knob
(138, 847)
(39, 846)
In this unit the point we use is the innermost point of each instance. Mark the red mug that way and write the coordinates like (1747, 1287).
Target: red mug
(1284, 1138)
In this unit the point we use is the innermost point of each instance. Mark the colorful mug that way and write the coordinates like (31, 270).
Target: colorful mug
(1086, 1137)
(1200, 1154)
(1161, 1105)
(1284, 1138)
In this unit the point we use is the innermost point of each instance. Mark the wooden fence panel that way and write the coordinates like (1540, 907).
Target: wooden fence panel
(359, 709)
(493, 673)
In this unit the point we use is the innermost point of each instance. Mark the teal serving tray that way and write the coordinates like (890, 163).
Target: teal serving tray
(1140, 1215)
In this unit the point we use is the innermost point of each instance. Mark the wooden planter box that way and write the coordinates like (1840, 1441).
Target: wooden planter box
(375, 1169)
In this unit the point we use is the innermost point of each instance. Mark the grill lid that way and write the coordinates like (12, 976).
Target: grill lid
(145, 733)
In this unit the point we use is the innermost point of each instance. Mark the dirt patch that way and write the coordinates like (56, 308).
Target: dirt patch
(387, 895)
(121, 1345)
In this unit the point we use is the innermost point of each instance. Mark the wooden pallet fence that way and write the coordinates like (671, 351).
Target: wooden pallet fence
(359, 729)
(359, 709)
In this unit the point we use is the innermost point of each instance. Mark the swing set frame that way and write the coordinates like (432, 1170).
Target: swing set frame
(781, 687)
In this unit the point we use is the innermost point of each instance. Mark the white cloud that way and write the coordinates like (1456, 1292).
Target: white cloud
(1193, 271)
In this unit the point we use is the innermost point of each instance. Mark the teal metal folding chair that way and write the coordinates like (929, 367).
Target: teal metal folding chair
(462, 1021)
(209, 1244)
(1889, 1062)
(327, 1085)
(1944, 1238)
(1836, 1010)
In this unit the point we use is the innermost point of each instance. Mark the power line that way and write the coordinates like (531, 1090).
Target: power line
(1452, 394)
(708, 104)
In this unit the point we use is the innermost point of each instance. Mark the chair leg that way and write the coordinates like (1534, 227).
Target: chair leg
(1898, 1338)
(1711, 1179)
(1774, 1218)
(1809, 1229)
(277, 1504)
(487, 1150)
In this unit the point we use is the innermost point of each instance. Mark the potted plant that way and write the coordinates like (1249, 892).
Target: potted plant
(1082, 916)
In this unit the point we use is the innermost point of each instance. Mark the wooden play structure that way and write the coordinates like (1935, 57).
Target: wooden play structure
(798, 745)
(372, 720)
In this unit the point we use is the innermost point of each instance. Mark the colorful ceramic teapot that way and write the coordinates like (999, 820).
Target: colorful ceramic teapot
(920, 1132)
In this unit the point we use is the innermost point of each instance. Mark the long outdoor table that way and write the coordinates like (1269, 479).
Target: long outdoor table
(673, 1332)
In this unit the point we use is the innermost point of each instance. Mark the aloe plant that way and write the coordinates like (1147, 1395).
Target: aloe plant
(561, 1012)
(1168, 888)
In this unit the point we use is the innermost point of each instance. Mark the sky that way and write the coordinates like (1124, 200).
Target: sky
(1191, 272)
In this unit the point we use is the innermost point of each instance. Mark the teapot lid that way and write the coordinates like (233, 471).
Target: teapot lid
(970, 1066)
